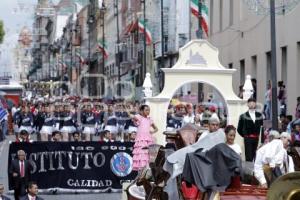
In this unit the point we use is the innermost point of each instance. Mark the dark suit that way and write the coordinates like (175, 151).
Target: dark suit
(20, 183)
(4, 197)
(26, 198)
(250, 131)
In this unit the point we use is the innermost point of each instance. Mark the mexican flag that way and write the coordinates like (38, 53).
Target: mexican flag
(204, 13)
(62, 64)
(102, 48)
(141, 25)
(78, 55)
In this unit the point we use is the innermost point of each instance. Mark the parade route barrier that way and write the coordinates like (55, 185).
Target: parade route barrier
(80, 166)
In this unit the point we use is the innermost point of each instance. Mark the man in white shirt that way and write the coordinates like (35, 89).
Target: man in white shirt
(273, 155)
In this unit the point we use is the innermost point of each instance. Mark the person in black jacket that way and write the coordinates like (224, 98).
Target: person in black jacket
(20, 172)
(249, 127)
(32, 190)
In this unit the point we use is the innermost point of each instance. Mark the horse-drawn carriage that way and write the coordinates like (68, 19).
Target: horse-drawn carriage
(151, 183)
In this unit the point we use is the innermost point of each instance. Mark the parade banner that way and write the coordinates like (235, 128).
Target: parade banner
(98, 166)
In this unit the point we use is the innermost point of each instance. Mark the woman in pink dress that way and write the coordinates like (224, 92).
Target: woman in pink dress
(143, 137)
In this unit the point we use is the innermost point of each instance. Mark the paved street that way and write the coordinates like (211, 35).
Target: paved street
(3, 179)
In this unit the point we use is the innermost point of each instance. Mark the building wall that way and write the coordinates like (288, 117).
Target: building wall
(243, 39)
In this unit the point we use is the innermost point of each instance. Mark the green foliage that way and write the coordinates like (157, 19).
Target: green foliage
(2, 32)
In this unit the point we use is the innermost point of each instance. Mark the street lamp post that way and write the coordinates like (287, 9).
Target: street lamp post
(145, 45)
(161, 75)
(49, 67)
(62, 63)
(200, 36)
(273, 66)
(90, 21)
(162, 33)
(103, 9)
(118, 55)
(71, 49)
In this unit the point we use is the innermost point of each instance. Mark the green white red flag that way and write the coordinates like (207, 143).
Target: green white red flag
(141, 25)
(204, 13)
(79, 56)
(102, 48)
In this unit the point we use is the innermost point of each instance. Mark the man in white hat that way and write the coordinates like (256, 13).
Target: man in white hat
(273, 155)
(274, 135)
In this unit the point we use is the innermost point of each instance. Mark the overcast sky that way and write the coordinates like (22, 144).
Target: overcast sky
(15, 14)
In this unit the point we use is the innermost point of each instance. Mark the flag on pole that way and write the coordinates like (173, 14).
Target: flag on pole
(100, 2)
(204, 13)
(3, 103)
(79, 56)
(62, 64)
(102, 48)
(3, 114)
(141, 25)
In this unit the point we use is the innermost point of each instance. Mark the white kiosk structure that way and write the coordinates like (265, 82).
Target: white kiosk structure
(198, 62)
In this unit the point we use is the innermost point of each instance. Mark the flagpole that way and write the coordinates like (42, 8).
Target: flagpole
(274, 107)
(78, 71)
(199, 36)
(162, 43)
(200, 31)
(144, 69)
(103, 9)
(190, 21)
(162, 33)
(118, 55)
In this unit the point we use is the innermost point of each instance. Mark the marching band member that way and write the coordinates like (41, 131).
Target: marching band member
(58, 116)
(122, 117)
(26, 120)
(132, 127)
(99, 115)
(56, 136)
(48, 124)
(88, 119)
(110, 121)
(16, 120)
(38, 113)
(23, 136)
(69, 126)
(76, 137)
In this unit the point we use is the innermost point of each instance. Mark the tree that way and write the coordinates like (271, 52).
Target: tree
(2, 32)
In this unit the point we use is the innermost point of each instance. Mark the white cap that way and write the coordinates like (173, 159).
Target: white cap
(286, 135)
(274, 133)
(214, 119)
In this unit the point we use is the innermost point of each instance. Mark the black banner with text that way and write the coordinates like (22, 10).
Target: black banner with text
(77, 165)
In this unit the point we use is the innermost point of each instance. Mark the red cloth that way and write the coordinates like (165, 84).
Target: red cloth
(190, 193)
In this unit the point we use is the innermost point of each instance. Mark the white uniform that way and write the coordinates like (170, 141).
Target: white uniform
(272, 154)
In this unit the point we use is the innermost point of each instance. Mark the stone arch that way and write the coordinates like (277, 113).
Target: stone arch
(198, 62)
(204, 82)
